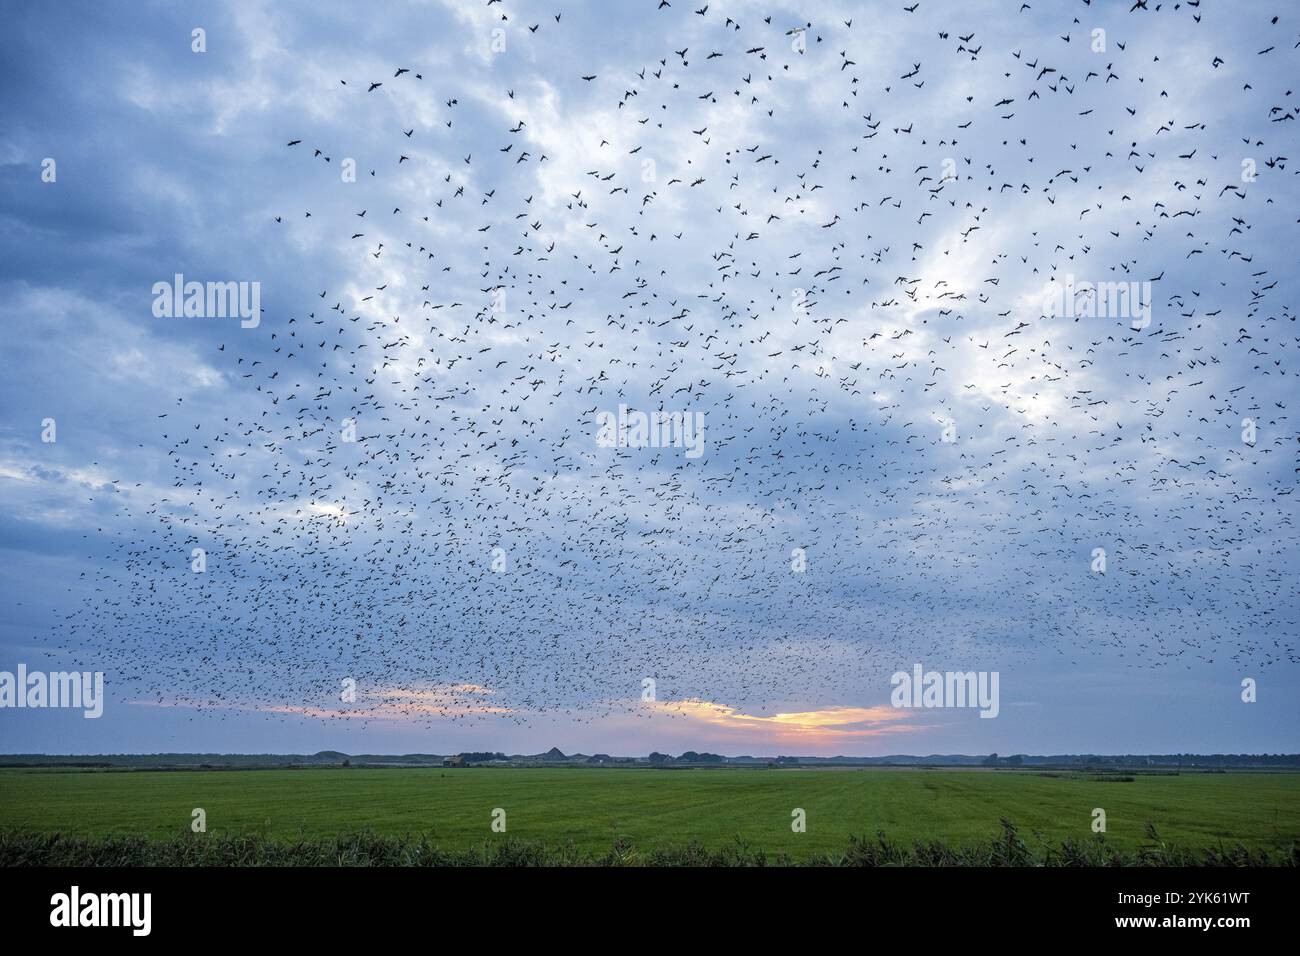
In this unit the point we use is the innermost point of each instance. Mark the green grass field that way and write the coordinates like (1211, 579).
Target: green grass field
(593, 808)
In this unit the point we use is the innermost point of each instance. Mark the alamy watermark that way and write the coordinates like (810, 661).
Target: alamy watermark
(923, 688)
(1080, 299)
(208, 300)
(632, 429)
(75, 908)
(37, 689)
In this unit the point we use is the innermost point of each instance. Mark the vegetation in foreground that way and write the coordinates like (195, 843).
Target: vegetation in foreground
(371, 849)
(647, 815)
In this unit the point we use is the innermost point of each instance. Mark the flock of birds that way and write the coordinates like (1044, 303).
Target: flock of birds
(834, 261)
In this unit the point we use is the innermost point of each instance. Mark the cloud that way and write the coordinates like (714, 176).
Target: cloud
(393, 704)
(823, 428)
(812, 728)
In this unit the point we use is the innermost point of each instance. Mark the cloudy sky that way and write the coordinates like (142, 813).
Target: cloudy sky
(838, 237)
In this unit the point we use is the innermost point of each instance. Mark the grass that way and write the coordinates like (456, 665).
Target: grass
(581, 815)
(369, 849)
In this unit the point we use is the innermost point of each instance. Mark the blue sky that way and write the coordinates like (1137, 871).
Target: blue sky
(765, 237)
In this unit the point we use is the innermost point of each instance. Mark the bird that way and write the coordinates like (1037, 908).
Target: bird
(938, 345)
